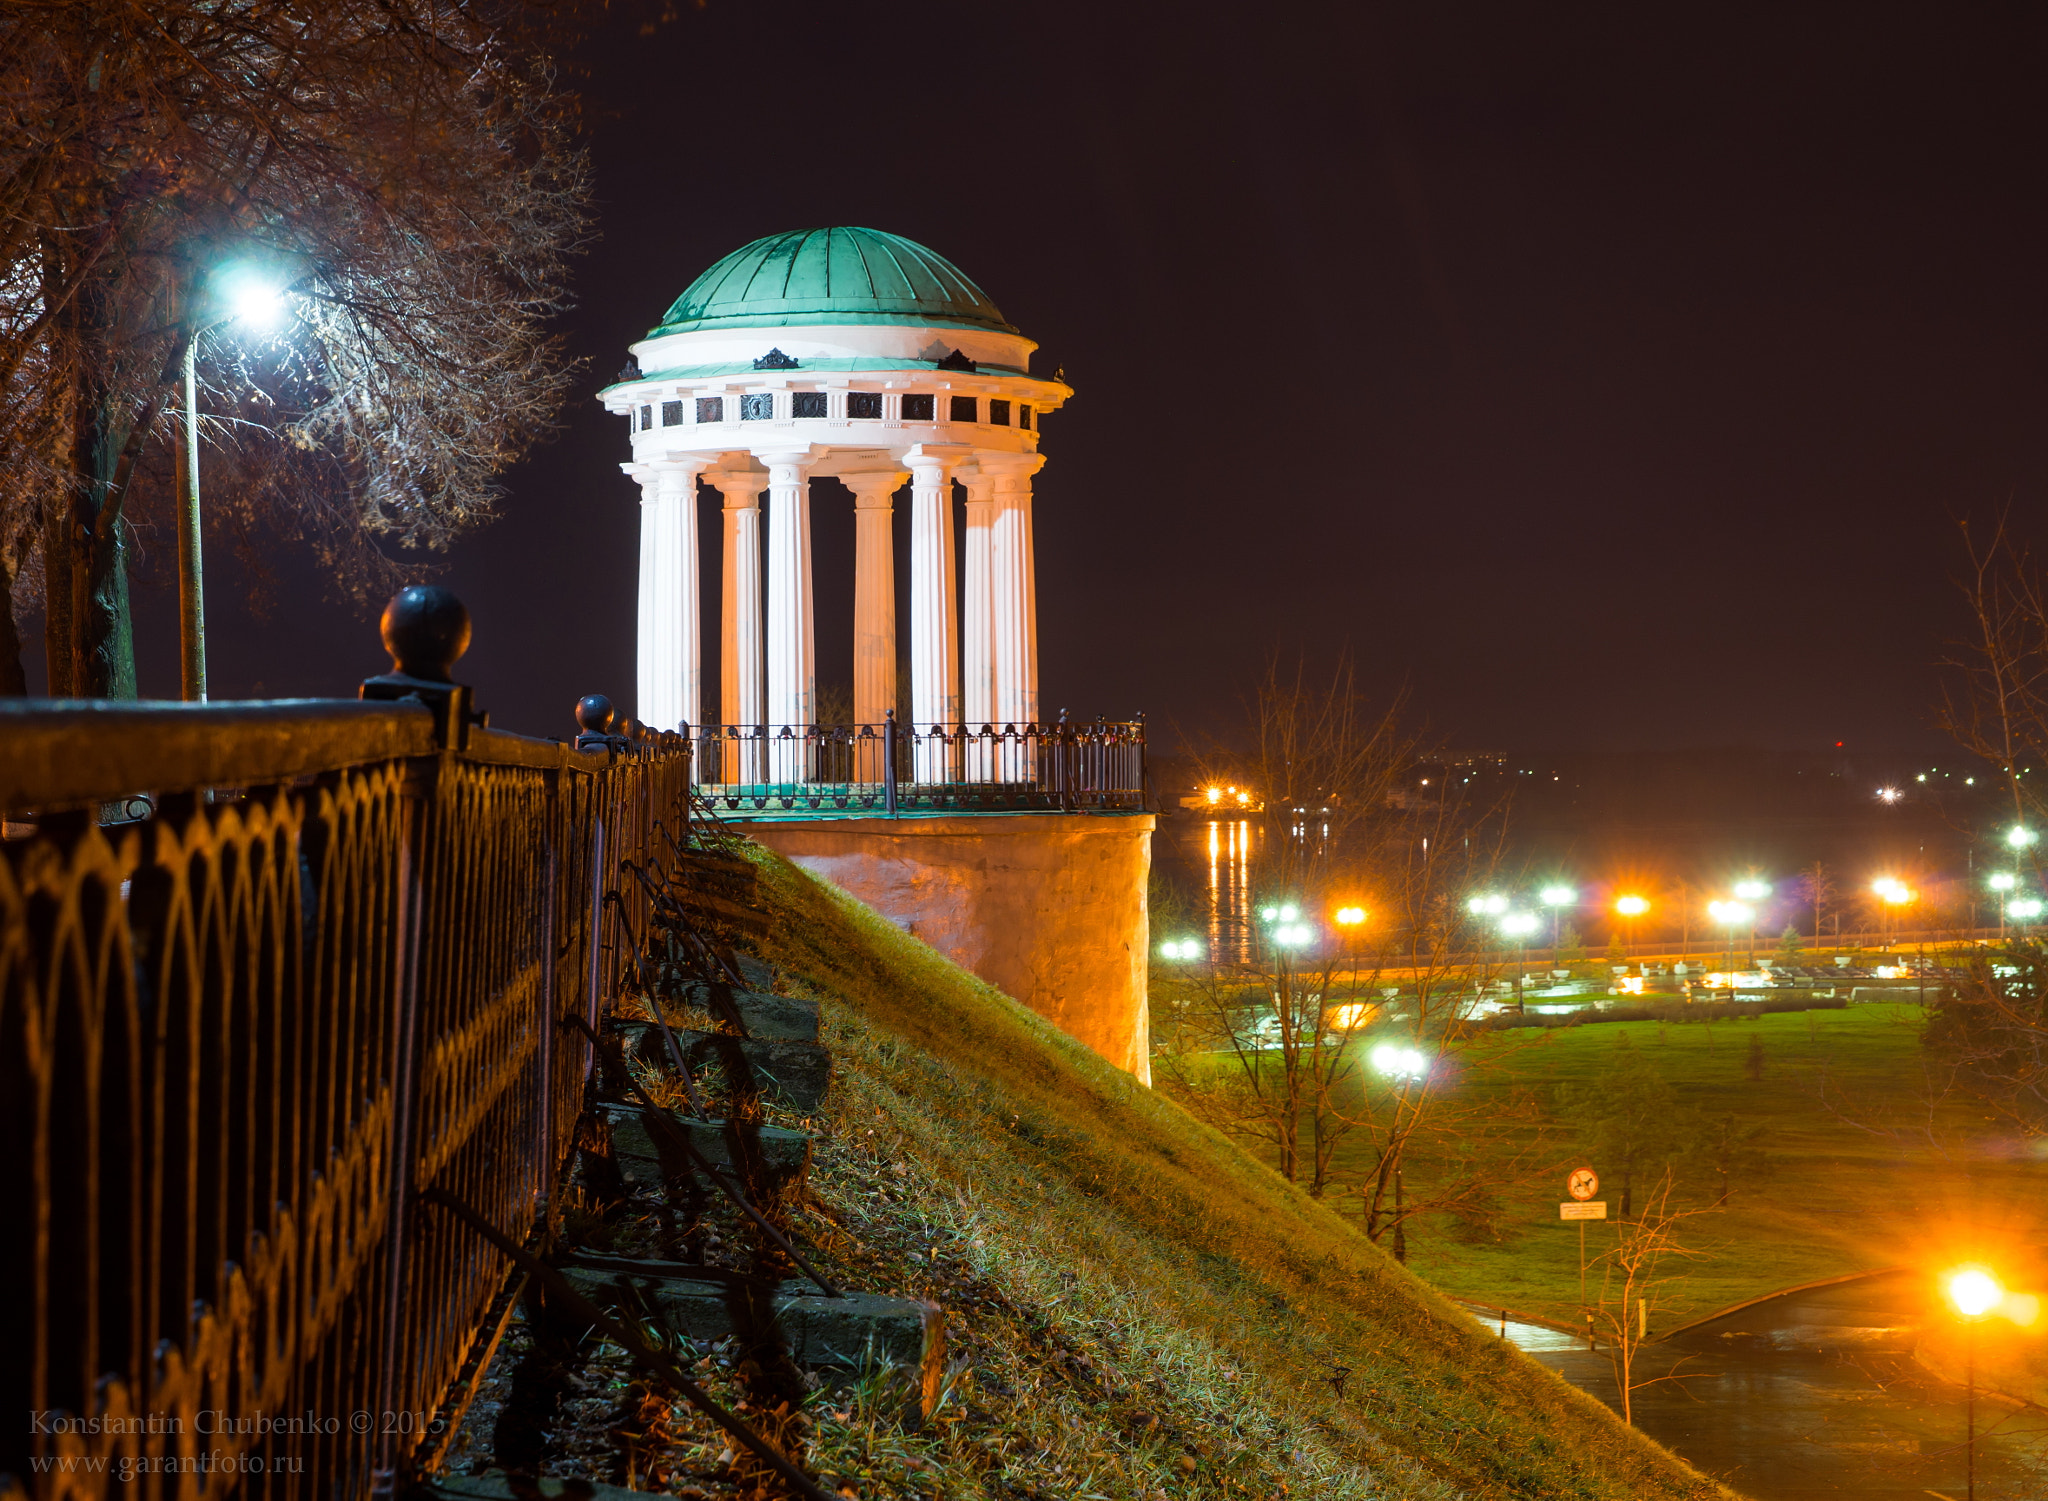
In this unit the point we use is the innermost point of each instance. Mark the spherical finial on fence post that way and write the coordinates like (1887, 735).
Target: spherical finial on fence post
(594, 714)
(426, 630)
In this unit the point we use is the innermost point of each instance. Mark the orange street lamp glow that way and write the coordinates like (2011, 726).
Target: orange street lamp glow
(1632, 906)
(1974, 1291)
(1350, 917)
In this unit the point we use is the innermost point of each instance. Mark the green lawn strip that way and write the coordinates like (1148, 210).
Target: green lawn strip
(1837, 1199)
(1203, 1290)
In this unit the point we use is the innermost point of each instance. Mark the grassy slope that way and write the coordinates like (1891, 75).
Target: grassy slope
(1127, 1285)
(1838, 1199)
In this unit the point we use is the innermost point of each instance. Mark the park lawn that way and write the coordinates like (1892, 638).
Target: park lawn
(1925, 1185)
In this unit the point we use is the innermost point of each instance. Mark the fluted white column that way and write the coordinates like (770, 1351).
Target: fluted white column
(874, 609)
(1013, 604)
(977, 636)
(739, 639)
(934, 648)
(792, 632)
(669, 660)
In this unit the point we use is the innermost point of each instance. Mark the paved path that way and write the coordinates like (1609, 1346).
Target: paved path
(1800, 1428)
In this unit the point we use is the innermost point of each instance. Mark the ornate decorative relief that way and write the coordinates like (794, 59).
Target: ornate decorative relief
(863, 403)
(711, 409)
(966, 409)
(957, 361)
(671, 414)
(807, 404)
(998, 413)
(757, 408)
(775, 359)
(920, 407)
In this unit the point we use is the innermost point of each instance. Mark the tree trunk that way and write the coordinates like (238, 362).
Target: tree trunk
(57, 631)
(102, 634)
(13, 680)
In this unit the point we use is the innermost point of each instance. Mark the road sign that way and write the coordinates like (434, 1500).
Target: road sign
(1594, 1211)
(1583, 1183)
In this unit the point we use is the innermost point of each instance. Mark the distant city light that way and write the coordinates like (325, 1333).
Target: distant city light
(1888, 794)
(1401, 1063)
(1632, 906)
(1559, 896)
(1752, 891)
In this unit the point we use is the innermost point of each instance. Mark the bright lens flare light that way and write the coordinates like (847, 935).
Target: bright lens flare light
(1734, 914)
(1291, 936)
(1974, 1291)
(1632, 906)
(1487, 906)
(1399, 1063)
(1518, 924)
(1350, 917)
(2020, 838)
(1888, 794)
(2003, 882)
(253, 300)
(1752, 891)
(2026, 907)
(1559, 896)
(1896, 893)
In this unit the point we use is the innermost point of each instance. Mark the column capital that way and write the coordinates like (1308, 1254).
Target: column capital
(944, 457)
(1011, 466)
(874, 489)
(741, 488)
(788, 458)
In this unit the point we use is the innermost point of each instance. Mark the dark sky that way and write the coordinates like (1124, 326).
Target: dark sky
(1612, 375)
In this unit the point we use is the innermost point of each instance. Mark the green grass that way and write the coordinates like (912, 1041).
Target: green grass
(1140, 1309)
(1882, 1179)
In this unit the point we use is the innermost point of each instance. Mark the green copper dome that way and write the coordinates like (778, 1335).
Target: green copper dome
(814, 276)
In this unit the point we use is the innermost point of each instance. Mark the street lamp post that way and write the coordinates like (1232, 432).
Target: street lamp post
(1732, 915)
(1557, 898)
(1974, 1292)
(2003, 883)
(1752, 891)
(1519, 925)
(1630, 909)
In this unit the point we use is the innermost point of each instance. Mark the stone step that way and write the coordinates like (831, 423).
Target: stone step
(800, 1071)
(783, 1157)
(855, 1332)
(764, 1013)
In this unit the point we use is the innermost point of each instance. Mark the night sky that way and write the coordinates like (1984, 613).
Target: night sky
(1612, 376)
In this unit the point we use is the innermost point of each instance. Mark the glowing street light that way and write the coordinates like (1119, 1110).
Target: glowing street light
(1519, 925)
(2026, 909)
(1181, 948)
(1632, 906)
(1349, 917)
(2004, 881)
(1974, 1292)
(1487, 906)
(1399, 1063)
(2020, 837)
(1752, 890)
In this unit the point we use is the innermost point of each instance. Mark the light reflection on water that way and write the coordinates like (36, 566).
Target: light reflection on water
(1229, 843)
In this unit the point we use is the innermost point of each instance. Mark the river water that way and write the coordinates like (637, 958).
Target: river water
(1783, 1427)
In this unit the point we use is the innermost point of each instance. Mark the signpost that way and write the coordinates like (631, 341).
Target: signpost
(1582, 1185)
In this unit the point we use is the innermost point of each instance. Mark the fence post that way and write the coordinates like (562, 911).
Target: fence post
(889, 762)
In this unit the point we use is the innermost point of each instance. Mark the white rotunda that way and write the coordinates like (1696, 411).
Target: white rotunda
(861, 355)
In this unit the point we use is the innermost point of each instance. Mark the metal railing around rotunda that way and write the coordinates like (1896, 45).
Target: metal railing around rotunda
(892, 768)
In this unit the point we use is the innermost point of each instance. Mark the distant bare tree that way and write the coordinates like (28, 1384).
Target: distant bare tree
(405, 167)
(1294, 1027)
(1817, 891)
(1633, 1278)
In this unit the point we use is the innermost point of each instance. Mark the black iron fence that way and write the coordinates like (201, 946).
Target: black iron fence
(892, 768)
(241, 1036)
